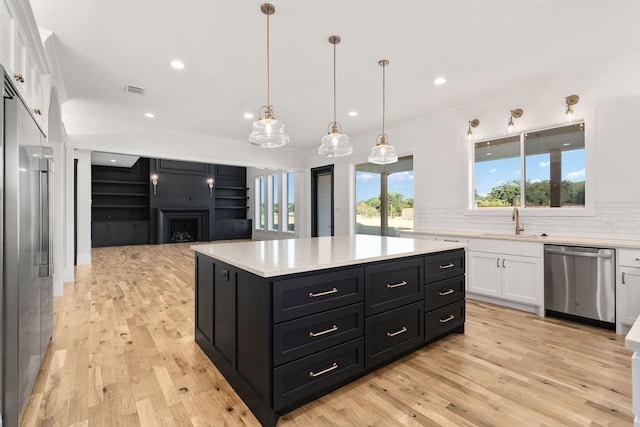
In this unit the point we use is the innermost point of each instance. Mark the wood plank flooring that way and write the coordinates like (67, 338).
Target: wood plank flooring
(123, 354)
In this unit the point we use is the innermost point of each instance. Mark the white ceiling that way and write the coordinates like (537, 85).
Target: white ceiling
(482, 48)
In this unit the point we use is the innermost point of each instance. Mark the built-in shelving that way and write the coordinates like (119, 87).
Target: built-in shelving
(120, 205)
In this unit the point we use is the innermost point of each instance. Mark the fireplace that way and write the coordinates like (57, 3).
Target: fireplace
(183, 225)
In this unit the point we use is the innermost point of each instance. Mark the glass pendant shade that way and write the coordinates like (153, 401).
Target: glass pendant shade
(335, 143)
(268, 132)
(383, 153)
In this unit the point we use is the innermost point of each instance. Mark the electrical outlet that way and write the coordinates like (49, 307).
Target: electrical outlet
(608, 225)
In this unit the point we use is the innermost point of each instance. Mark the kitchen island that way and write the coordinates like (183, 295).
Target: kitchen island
(287, 321)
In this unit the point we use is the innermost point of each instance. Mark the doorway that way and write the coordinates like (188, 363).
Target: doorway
(322, 201)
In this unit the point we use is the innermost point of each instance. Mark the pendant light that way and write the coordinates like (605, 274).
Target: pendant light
(383, 153)
(335, 143)
(267, 131)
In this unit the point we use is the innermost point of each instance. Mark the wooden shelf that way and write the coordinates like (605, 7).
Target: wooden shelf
(121, 206)
(99, 193)
(113, 181)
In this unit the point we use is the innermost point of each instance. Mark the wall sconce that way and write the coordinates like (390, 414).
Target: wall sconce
(154, 181)
(210, 184)
(570, 100)
(472, 124)
(515, 114)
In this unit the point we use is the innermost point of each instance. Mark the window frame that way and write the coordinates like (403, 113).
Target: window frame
(266, 199)
(590, 148)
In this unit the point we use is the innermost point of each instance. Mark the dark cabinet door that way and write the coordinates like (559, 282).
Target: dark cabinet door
(99, 234)
(204, 297)
(114, 234)
(224, 313)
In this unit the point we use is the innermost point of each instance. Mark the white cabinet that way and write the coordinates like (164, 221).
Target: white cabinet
(628, 286)
(507, 271)
(23, 60)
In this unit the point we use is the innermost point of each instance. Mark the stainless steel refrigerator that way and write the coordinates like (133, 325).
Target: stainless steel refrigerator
(27, 285)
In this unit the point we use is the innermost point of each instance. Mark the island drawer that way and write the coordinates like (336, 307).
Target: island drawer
(443, 266)
(444, 292)
(439, 322)
(392, 333)
(393, 284)
(315, 374)
(305, 295)
(307, 335)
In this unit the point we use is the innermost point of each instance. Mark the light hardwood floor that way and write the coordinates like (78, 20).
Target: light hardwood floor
(123, 354)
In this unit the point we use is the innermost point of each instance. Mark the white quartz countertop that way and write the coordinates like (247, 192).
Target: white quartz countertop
(632, 340)
(271, 258)
(554, 240)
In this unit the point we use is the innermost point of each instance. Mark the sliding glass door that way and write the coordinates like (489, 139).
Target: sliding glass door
(384, 197)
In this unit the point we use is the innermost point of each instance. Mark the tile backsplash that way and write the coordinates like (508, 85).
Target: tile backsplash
(611, 221)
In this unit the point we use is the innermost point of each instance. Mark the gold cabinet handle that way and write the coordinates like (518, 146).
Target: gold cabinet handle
(451, 317)
(449, 292)
(329, 369)
(19, 77)
(37, 111)
(397, 285)
(393, 334)
(321, 294)
(317, 334)
(444, 267)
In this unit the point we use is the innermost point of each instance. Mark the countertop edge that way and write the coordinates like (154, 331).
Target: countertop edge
(554, 240)
(446, 246)
(632, 340)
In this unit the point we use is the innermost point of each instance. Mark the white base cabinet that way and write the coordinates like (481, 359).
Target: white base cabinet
(507, 271)
(628, 288)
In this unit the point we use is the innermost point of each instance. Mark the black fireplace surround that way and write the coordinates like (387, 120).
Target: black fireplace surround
(183, 225)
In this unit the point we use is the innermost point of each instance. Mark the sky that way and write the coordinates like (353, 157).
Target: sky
(368, 185)
(490, 174)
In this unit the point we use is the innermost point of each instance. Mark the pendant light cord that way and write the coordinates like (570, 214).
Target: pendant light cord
(334, 83)
(384, 67)
(268, 68)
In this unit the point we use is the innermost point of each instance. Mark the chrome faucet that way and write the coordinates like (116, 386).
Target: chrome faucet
(515, 216)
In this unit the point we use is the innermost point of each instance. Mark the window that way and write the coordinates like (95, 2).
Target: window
(273, 207)
(260, 203)
(538, 169)
(288, 192)
(273, 191)
(384, 189)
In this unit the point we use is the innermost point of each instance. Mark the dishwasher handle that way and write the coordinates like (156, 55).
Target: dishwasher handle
(606, 255)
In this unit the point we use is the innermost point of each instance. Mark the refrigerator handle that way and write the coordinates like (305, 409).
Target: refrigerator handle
(45, 220)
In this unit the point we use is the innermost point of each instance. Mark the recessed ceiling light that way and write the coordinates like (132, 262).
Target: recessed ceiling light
(439, 81)
(353, 113)
(149, 115)
(248, 115)
(488, 154)
(566, 144)
(178, 65)
(112, 160)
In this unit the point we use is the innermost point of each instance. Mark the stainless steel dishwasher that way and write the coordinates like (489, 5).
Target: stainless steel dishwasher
(579, 284)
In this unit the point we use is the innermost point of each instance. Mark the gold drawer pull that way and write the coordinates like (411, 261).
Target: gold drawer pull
(317, 334)
(393, 334)
(37, 111)
(19, 78)
(449, 292)
(397, 285)
(321, 294)
(317, 374)
(451, 317)
(444, 267)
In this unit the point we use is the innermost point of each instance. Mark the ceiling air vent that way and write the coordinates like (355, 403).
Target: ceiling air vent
(134, 89)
